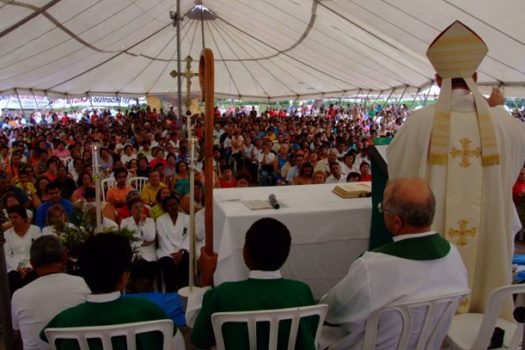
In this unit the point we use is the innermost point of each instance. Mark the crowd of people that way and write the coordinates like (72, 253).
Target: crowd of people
(47, 171)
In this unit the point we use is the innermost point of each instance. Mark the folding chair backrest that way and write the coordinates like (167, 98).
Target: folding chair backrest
(106, 333)
(273, 317)
(491, 315)
(138, 182)
(105, 185)
(423, 322)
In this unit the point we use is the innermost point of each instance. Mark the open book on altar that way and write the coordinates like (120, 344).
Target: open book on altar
(353, 189)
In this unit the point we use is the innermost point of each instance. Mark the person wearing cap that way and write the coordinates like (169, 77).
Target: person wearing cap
(470, 154)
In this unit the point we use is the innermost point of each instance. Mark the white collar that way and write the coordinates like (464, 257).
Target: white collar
(103, 298)
(265, 275)
(413, 235)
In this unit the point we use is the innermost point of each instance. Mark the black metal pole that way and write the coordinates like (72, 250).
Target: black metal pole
(179, 69)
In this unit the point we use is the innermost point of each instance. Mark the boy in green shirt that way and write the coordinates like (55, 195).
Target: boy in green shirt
(266, 248)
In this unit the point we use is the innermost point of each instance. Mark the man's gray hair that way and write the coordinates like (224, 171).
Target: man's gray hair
(46, 250)
(415, 213)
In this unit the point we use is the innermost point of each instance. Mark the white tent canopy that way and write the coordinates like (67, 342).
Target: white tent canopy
(264, 49)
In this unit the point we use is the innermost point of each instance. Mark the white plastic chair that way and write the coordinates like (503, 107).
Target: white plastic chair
(474, 330)
(422, 324)
(105, 185)
(251, 318)
(105, 333)
(138, 182)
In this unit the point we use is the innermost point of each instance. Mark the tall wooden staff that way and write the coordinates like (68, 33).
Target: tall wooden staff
(208, 258)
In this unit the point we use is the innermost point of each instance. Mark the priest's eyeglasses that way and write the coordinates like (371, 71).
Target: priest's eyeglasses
(382, 210)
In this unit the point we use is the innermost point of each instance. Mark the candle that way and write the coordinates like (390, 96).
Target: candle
(192, 213)
(95, 159)
(97, 190)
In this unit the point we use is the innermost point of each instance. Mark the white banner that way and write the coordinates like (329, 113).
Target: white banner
(28, 102)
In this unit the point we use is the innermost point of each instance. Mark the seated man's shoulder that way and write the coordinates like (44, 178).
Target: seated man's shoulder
(28, 300)
(65, 283)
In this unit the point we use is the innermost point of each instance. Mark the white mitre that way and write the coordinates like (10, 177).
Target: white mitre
(456, 53)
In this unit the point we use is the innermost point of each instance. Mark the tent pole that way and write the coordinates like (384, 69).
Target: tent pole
(341, 97)
(415, 97)
(390, 95)
(428, 93)
(19, 102)
(378, 96)
(34, 98)
(402, 95)
(202, 27)
(179, 68)
(366, 98)
(90, 102)
(49, 103)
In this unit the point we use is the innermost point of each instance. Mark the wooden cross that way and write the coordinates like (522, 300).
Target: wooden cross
(187, 74)
(460, 236)
(465, 153)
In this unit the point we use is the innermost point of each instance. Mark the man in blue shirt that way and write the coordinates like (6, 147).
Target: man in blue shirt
(55, 197)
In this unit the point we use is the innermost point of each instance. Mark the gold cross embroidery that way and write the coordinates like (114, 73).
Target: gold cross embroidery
(465, 153)
(460, 236)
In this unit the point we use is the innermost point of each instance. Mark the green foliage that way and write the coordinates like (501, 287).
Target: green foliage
(74, 236)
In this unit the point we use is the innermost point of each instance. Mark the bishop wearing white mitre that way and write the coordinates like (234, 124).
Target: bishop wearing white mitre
(471, 155)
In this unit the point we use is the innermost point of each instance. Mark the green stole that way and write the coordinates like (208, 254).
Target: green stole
(429, 247)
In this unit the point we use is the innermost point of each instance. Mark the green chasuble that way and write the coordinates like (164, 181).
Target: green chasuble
(379, 235)
(430, 247)
(122, 310)
(254, 294)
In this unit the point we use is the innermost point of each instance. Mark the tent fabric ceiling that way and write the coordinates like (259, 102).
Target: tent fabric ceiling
(264, 49)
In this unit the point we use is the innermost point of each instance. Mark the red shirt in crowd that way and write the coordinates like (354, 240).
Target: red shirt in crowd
(228, 184)
(518, 188)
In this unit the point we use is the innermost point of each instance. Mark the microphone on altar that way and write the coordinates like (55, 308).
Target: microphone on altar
(273, 201)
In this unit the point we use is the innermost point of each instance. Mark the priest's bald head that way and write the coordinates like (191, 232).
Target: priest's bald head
(408, 206)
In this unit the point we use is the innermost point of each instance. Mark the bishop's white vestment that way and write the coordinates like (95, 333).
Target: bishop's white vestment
(486, 244)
